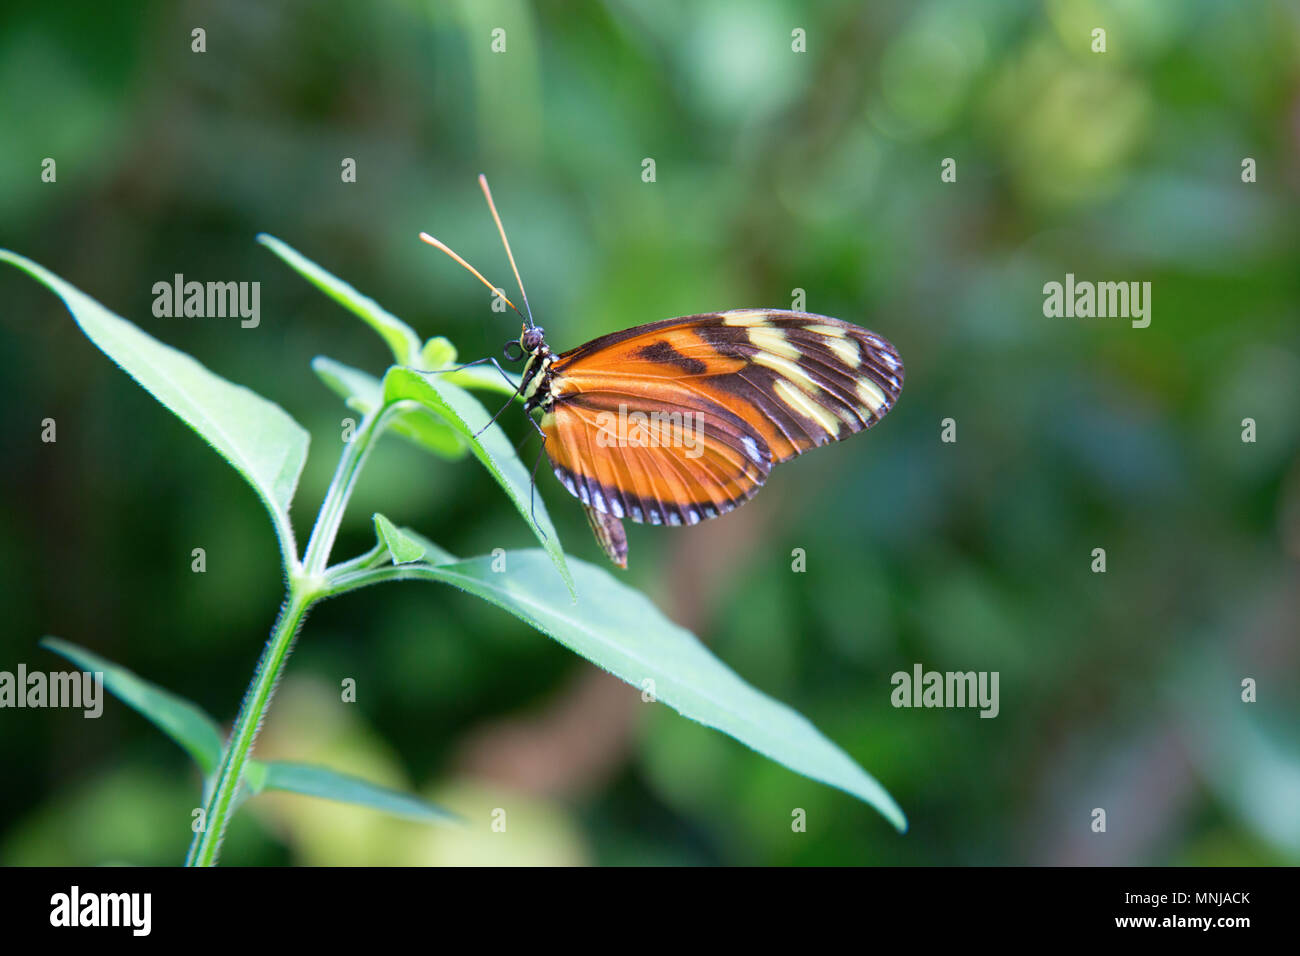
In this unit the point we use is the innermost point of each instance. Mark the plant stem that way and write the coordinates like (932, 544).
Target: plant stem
(306, 587)
(207, 843)
(340, 490)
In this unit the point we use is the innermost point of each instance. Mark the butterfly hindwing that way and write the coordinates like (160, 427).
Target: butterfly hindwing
(656, 453)
(609, 534)
(753, 387)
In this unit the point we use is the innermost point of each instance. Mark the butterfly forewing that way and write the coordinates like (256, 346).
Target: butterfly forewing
(748, 388)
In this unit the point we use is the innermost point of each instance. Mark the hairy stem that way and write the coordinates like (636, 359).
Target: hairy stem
(306, 586)
(340, 490)
(206, 845)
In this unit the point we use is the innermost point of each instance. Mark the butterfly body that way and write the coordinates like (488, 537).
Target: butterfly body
(681, 420)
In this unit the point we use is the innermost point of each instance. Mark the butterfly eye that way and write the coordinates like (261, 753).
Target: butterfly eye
(513, 351)
(532, 339)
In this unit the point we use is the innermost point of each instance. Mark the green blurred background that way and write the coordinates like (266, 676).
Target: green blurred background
(776, 170)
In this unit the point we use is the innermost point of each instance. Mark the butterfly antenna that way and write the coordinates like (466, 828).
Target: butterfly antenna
(439, 244)
(483, 183)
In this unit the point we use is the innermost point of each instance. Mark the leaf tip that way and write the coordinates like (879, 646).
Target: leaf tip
(892, 812)
(566, 575)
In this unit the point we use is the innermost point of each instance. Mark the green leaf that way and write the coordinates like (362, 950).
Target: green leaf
(331, 785)
(437, 353)
(264, 444)
(399, 336)
(493, 448)
(403, 548)
(619, 629)
(361, 391)
(433, 554)
(179, 719)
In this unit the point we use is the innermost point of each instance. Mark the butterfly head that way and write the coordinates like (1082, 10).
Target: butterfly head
(533, 339)
(531, 342)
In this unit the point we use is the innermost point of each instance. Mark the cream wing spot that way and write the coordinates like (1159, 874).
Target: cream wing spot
(774, 341)
(871, 396)
(788, 369)
(846, 350)
(850, 418)
(805, 406)
(745, 317)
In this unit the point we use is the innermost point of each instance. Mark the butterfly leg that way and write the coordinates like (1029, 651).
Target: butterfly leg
(492, 420)
(495, 364)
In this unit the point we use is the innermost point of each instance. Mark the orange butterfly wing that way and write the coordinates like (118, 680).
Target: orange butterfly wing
(751, 388)
(652, 451)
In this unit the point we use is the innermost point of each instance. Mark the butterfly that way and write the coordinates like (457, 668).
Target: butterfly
(682, 420)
